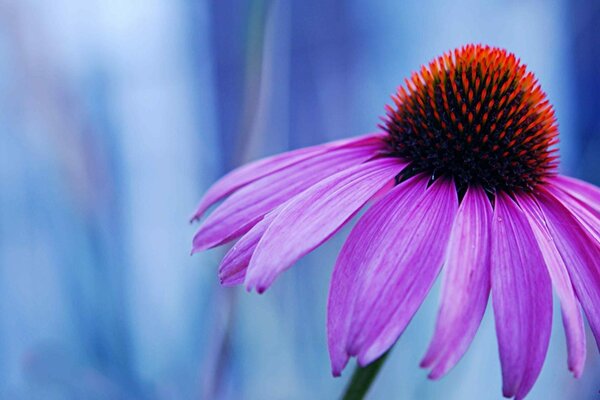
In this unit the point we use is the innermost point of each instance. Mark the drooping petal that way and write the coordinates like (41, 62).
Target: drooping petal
(583, 212)
(313, 216)
(386, 267)
(581, 190)
(244, 208)
(248, 173)
(572, 319)
(465, 285)
(521, 298)
(234, 265)
(580, 254)
(348, 269)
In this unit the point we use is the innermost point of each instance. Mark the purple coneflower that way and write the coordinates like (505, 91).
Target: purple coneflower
(462, 178)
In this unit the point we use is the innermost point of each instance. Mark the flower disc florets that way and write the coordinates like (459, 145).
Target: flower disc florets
(478, 116)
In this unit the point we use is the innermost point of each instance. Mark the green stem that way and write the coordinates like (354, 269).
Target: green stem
(362, 378)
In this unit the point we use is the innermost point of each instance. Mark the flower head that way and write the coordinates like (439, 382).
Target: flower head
(476, 115)
(462, 178)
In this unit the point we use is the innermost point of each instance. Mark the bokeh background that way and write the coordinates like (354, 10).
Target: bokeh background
(115, 116)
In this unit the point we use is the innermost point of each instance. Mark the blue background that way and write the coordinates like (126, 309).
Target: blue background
(116, 116)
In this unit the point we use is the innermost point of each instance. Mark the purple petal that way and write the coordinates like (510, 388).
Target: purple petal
(580, 254)
(583, 212)
(572, 319)
(465, 285)
(248, 173)
(345, 279)
(521, 297)
(244, 208)
(232, 270)
(313, 216)
(386, 268)
(581, 190)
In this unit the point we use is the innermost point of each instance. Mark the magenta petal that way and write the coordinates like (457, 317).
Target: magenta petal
(310, 218)
(386, 267)
(234, 265)
(348, 269)
(248, 173)
(522, 298)
(572, 319)
(422, 234)
(580, 254)
(581, 190)
(583, 212)
(465, 285)
(244, 208)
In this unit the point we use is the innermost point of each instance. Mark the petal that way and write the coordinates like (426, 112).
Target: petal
(232, 270)
(386, 267)
(244, 208)
(248, 173)
(583, 212)
(581, 190)
(313, 216)
(572, 319)
(521, 297)
(346, 274)
(580, 254)
(465, 285)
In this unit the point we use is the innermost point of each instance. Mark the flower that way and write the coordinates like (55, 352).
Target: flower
(462, 177)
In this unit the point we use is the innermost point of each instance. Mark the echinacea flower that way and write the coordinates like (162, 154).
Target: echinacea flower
(462, 177)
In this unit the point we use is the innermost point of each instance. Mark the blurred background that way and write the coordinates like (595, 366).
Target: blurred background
(116, 116)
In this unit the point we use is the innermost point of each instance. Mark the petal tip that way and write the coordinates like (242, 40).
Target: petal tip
(434, 375)
(576, 371)
(426, 362)
(250, 283)
(508, 392)
(229, 282)
(261, 289)
(196, 215)
(201, 243)
(338, 362)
